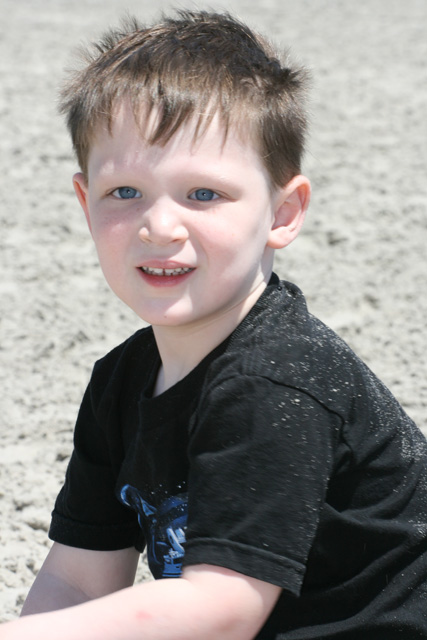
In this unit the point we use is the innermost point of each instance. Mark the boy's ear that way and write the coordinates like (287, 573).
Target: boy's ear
(291, 205)
(81, 188)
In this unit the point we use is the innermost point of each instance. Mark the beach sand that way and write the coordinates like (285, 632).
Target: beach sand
(361, 259)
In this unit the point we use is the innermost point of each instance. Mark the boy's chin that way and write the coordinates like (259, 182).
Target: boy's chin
(166, 316)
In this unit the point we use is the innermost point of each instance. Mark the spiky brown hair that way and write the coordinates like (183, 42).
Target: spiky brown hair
(191, 67)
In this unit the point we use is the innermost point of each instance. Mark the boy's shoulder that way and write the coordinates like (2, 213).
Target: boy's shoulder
(281, 344)
(138, 344)
(281, 340)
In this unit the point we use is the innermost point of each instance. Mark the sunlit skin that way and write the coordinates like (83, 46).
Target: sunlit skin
(203, 211)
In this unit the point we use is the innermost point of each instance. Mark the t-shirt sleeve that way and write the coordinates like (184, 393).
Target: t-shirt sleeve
(87, 514)
(261, 455)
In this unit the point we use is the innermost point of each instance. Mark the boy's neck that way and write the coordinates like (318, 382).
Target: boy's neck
(182, 348)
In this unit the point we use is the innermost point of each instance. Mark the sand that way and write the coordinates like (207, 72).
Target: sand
(361, 258)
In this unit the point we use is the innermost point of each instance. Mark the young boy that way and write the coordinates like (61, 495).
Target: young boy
(239, 439)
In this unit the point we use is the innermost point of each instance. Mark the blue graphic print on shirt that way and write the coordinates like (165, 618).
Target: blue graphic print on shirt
(164, 530)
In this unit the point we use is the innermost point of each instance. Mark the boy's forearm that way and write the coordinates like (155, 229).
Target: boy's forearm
(134, 613)
(170, 609)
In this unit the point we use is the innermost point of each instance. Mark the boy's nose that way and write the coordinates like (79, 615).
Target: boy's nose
(161, 225)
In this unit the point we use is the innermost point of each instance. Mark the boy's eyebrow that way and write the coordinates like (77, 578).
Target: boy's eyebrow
(196, 176)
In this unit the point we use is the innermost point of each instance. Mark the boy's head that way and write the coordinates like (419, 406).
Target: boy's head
(192, 68)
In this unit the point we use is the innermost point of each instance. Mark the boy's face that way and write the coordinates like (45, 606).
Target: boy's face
(184, 231)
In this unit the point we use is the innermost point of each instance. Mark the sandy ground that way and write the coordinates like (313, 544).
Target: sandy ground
(361, 259)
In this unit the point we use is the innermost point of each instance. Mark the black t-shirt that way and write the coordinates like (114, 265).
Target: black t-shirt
(280, 456)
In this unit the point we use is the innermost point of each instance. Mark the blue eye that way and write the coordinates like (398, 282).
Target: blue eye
(127, 193)
(203, 195)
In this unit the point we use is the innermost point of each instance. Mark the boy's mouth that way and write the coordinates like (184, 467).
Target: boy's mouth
(180, 271)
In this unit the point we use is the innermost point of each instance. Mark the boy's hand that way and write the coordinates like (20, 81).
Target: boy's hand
(208, 602)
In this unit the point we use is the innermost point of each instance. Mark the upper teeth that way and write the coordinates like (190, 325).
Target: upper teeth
(166, 272)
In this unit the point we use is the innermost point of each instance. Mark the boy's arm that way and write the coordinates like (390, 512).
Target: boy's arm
(206, 602)
(72, 576)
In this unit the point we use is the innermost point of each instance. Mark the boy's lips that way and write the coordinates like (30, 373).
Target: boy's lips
(165, 273)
